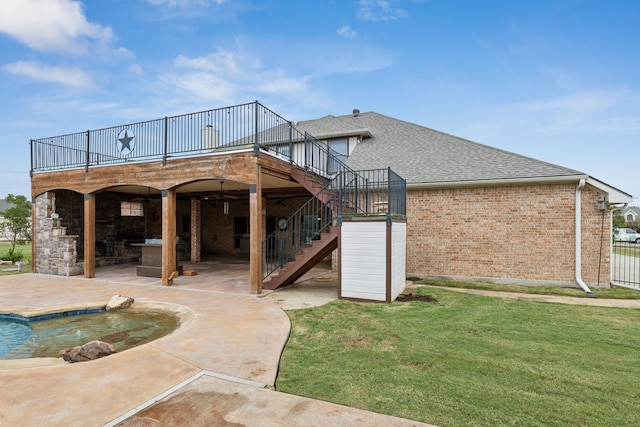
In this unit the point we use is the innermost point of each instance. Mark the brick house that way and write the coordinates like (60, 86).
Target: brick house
(477, 212)
(392, 197)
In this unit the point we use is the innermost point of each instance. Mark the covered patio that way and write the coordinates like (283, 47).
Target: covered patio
(238, 181)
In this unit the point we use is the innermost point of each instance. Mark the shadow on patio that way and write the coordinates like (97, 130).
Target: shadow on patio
(231, 275)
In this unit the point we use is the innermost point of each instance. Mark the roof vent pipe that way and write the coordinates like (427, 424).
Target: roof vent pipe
(356, 112)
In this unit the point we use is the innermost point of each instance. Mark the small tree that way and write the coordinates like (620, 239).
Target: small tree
(16, 226)
(618, 220)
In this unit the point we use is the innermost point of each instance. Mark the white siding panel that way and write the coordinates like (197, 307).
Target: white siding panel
(398, 258)
(363, 260)
(298, 153)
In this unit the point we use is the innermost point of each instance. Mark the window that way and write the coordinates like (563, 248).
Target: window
(131, 208)
(338, 150)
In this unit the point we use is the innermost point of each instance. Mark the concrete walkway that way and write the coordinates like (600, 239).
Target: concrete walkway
(215, 370)
(593, 302)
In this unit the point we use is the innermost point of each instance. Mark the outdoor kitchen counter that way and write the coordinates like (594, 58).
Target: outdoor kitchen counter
(151, 264)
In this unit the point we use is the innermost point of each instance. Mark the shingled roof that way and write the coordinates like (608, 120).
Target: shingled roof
(423, 155)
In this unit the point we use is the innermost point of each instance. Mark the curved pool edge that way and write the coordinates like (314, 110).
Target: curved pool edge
(31, 312)
(184, 314)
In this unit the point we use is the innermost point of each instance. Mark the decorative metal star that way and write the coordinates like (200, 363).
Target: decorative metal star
(125, 141)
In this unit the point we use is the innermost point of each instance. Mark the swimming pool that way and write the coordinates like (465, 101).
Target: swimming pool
(44, 336)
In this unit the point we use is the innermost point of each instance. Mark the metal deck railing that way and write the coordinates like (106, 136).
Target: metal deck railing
(222, 129)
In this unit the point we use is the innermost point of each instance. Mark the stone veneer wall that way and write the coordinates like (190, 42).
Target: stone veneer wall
(521, 234)
(55, 251)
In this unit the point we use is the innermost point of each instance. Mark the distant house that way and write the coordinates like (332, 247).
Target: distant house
(4, 205)
(243, 181)
(631, 214)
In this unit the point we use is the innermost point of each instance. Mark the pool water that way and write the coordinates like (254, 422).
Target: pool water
(122, 329)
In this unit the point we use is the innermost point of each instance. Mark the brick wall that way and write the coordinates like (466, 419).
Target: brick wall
(218, 228)
(522, 233)
(596, 239)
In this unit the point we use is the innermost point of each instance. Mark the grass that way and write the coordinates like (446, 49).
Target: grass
(469, 360)
(628, 250)
(613, 293)
(26, 252)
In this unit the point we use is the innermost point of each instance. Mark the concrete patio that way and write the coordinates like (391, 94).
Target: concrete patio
(217, 369)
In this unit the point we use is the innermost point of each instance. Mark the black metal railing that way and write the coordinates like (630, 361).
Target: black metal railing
(240, 126)
(625, 264)
(303, 227)
(223, 129)
(372, 192)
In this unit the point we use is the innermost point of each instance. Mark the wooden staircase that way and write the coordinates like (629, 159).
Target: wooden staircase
(327, 202)
(307, 259)
(310, 181)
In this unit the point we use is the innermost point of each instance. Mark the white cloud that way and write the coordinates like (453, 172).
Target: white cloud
(288, 85)
(52, 26)
(346, 32)
(227, 77)
(136, 69)
(68, 76)
(379, 10)
(219, 62)
(582, 103)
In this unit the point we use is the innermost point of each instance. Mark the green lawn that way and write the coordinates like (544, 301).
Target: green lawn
(469, 360)
(632, 250)
(26, 252)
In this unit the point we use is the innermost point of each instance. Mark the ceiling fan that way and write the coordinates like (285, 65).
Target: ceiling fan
(144, 198)
(221, 196)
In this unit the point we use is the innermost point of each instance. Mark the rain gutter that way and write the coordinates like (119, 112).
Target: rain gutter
(583, 285)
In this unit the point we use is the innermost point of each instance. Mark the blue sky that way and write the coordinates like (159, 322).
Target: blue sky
(557, 80)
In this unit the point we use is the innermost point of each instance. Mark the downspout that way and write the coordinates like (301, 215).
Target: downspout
(583, 285)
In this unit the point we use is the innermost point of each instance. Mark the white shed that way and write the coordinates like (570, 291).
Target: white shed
(372, 254)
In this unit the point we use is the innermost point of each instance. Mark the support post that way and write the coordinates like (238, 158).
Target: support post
(290, 142)
(196, 230)
(169, 259)
(89, 235)
(256, 222)
(165, 141)
(88, 159)
(34, 235)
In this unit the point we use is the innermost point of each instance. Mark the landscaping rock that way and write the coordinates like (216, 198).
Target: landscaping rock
(89, 351)
(118, 302)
